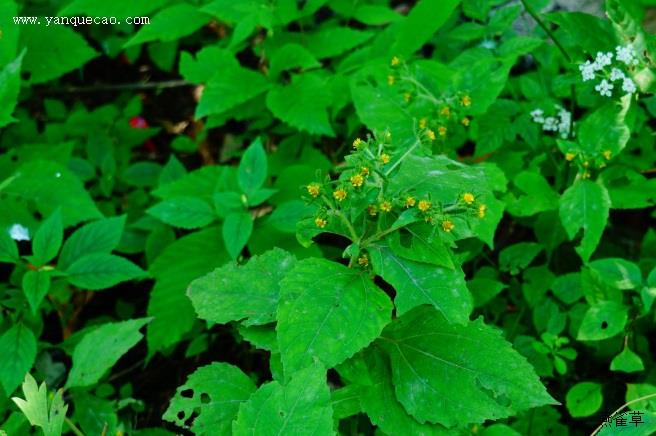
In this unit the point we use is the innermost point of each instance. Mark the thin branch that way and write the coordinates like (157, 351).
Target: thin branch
(120, 87)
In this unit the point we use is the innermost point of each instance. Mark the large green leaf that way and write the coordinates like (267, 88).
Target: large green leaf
(233, 292)
(605, 129)
(9, 89)
(302, 406)
(36, 285)
(173, 270)
(619, 273)
(8, 248)
(48, 239)
(52, 51)
(217, 390)
(303, 104)
(51, 185)
(18, 346)
(237, 229)
(100, 236)
(329, 312)
(602, 321)
(585, 205)
(101, 270)
(170, 24)
(252, 168)
(418, 283)
(183, 212)
(114, 339)
(453, 375)
(425, 18)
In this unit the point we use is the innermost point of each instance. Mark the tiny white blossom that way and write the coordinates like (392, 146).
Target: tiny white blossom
(550, 124)
(602, 60)
(565, 121)
(628, 86)
(626, 54)
(616, 74)
(537, 116)
(587, 71)
(489, 44)
(604, 88)
(19, 233)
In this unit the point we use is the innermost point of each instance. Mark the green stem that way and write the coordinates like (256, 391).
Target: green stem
(646, 397)
(347, 223)
(73, 427)
(398, 162)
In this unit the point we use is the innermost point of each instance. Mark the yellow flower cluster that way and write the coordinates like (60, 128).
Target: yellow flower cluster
(410, 201)
(339, 194)
(385, 158)
(357, 180)
(357, 144)
(448, 225)
(424, 205)
(430, 134)
(466, 101)
(363, 260)
(313, 189)
(468, 197)
(386, 206)
(320, 222)
(441, 131)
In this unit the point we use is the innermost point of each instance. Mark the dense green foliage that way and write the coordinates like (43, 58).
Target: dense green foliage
(281, 217)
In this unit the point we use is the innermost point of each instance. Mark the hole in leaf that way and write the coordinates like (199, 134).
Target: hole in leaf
(204, 398)
(180, 415)
(604, 325)
(187, 393)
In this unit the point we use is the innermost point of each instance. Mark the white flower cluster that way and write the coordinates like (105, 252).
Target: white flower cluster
(559, 123)
(623, 54)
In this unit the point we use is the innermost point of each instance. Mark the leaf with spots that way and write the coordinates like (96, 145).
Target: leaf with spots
(454, 375)
(327, 312)
(215, 391)
(602, 321)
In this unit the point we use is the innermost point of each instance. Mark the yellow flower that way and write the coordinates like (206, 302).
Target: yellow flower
(407, 96)
(465, 122)
(424, 205)
(357, 143)
(447, 225)
(410, 201)
(422, 123)
(395, 61)
(313, 189)
(385, 158)
(363, 260)
(357, 180)
(585, 175)
(481, 211)
(570, 156)
(430, 134)
(607, 154)
(468, 197)
(385, 206)
(445, 111)
(372, 210)
(320, 222)
(340, 194)
(364, 171)
(390, 80)
(466, 100)
(586, 164)
(442, 131)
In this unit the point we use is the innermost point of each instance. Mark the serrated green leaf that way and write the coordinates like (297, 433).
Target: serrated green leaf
(419, 283)
(605, 129)
(303, 104)
(617, 272)
(52, 51)
(18, 346)
(252, 170)
(585, 205)
(453, 375)
(9, 89)
(114, 339)
(291, 56)
(327, 312)
(302, 406)
(237, 229)
(36, 285)
(101, 270)
(217, 391)
(48, 239)
(584, 399)
(233, 292)
(183, 212)
(518, 256)
(170, 24)
(100, 236)
(49, 415)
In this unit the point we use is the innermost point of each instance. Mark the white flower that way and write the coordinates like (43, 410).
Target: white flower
(537, 116)
(604, 88)
(565, 121)
(550, 124)
(616, 74)
(602, 60)
(626, 54)
(19, 233)
(489, 44)
(587, 71)
(628, 86)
